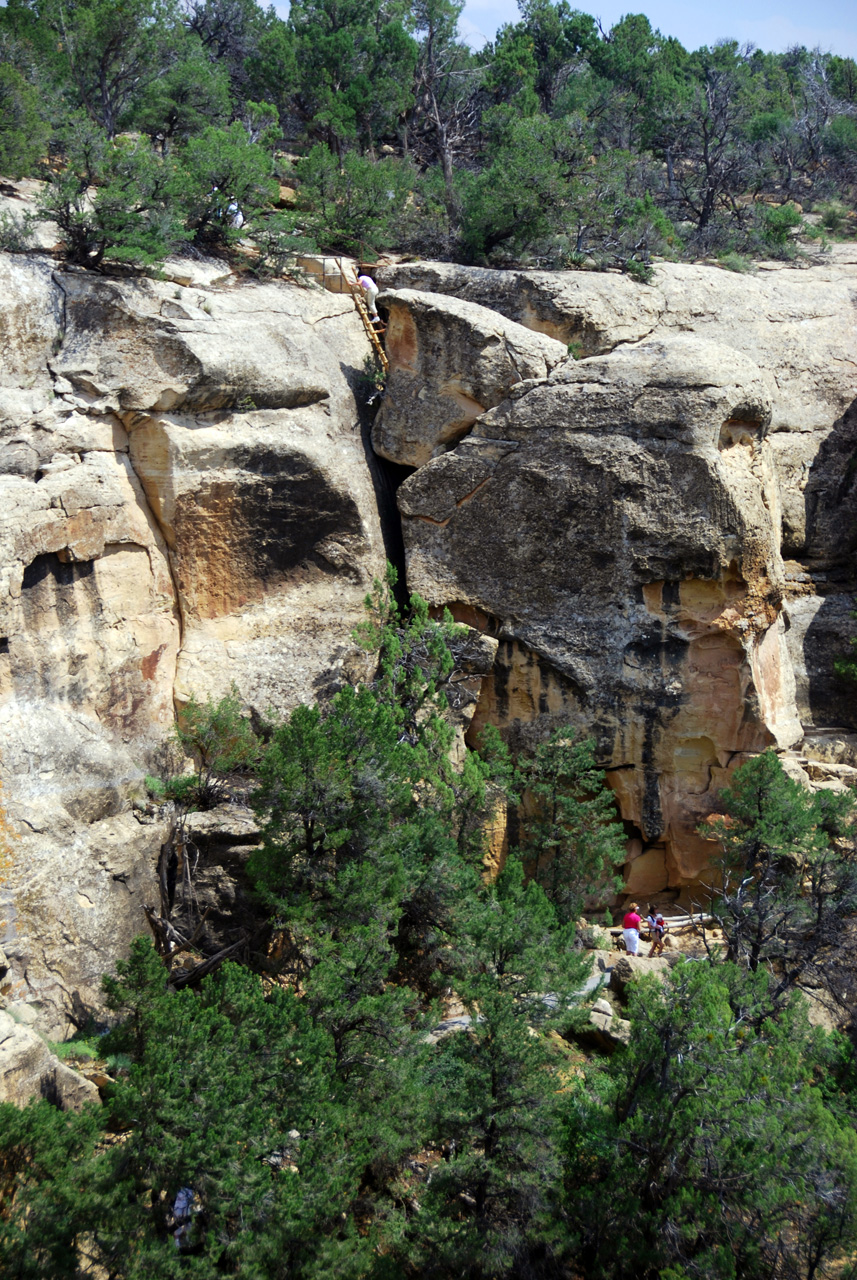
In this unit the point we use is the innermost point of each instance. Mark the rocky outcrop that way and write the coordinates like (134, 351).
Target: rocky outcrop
(629, 969)
(633, 578)
(28, 1070)
(797, 324)
(594, 311)
(185, 505)
(469, 356)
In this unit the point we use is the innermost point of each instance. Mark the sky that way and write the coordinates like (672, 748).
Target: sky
(773, 25)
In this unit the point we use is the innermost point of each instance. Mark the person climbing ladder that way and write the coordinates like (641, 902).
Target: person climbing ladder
(371, 290)
(364, 296)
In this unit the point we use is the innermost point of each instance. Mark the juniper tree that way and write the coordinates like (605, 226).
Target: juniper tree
(786, 878)
(570, 836)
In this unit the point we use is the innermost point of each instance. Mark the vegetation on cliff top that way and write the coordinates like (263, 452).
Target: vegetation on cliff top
(156, 121)
(304, 1116)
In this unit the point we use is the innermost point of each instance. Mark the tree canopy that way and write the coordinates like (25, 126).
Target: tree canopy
(390, 1086)
(559, 143)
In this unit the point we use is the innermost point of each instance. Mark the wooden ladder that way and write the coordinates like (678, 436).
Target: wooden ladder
(362, 310)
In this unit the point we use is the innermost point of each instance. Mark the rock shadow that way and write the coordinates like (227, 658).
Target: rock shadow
(824, 612)
(386, 477)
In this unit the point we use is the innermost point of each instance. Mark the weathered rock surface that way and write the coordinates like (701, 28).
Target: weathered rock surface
(221, 842)
(618, 526)
(798, 324)
(184, 503)
(629, 969)
(468, 356)
(28, 1070)
(795, 323)
(615, 526)
(606, 1031)
(570, 306)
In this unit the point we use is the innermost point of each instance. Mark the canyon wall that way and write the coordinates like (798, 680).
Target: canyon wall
(659, 533)
(654, 530)
(185, 503)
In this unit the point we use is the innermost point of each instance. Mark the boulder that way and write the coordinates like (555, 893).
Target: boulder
(28, 1070)
(593, 311)
(605, 1031)
(614, 524)
(647, 875)
(450, 360)
(628, 969)
(795, 322)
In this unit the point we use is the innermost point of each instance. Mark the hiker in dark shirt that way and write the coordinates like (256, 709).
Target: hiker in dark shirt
(657, 928)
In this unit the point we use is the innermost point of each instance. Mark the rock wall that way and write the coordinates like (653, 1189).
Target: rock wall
(185, 504)
(656, 541)
(619, 524)
(468, 355)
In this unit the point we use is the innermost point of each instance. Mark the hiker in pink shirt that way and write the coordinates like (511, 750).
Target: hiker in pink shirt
(631, 929)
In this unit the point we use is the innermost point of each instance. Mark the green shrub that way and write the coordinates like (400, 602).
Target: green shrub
(426, 226)
(131, 217)
(777, 224)
(15, 233)
(352, 205)
(81, 1050)
(834, 216)
(732, 261)
(521, 199)
(841, 137)
(23, 130)
(219, 173)
(279, 240)
(639, 270)
(192, 95)
(220, 740)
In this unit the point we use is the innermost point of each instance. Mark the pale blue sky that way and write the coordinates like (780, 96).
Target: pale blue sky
(773, 25)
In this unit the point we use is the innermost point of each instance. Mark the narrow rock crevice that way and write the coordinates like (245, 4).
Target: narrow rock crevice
(386, 478)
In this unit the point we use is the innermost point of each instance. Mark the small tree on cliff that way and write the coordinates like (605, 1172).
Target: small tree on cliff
(714, 1132)
(220, 740)
(365, 821)
(494, 1093)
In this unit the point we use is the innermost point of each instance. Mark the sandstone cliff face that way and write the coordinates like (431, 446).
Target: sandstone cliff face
(185, 503)
(657, 541)
(619, 524)
(469, 356)
(798, 326)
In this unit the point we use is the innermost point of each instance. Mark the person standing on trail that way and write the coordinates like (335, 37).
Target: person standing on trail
(371, 290)
(657, 928)
(631, 929)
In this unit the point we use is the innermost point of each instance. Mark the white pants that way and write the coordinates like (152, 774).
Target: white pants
(371, 295)
(632, 940)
